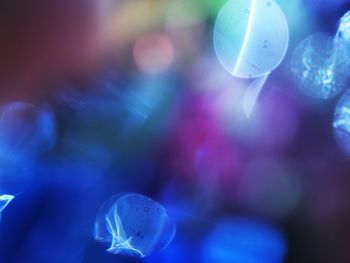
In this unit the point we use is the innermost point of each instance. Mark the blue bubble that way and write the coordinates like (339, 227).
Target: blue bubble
(25, 130)
(244, 240)
(250, 37)
(342, 43)
(4, 201)
(134, 225)
(316, 69)
(341, 123)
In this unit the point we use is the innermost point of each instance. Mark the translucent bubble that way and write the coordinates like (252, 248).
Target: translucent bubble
(134, 225)
(251, 39)
(321, 62)
(342, 42)
(244, 240)
(4, 201)
(25, 130)
(315, 68)
(341, 123)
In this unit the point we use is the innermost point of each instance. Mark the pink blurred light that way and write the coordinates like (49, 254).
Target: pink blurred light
(200, 151)
(153, 53)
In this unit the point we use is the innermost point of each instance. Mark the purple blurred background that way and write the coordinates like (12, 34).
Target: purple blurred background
(140, 103)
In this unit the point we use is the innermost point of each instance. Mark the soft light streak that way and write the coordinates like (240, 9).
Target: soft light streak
(4, 201)
(246, 38)
(252, 94)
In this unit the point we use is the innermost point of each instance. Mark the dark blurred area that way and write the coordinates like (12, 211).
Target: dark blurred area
(106, 96)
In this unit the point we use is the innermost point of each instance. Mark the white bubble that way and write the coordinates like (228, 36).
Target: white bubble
(251, 39)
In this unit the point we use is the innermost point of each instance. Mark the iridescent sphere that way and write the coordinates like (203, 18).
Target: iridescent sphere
(341, 123)
(316, 69)
(134, 225)
(250, 37)
(25, 130)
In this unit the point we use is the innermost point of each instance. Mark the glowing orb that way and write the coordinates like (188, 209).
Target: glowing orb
(341, 123)
(250, 37)
(153, 53)
(134, 225)
(316, 69)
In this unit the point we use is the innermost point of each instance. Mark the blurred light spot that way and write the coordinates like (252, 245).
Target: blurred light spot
(275, 122)
(299, 18)
(153, 53)
(315, 67)
(134, 225)
(129, 19)
(244, 241)
(185, 25)
(25, 130)
(184, 13)
(274, 125)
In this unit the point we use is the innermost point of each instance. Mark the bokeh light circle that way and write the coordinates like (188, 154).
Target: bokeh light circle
(25, 130)
(250, 37)
(153, 53)
(315, 67)
(134, 225)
